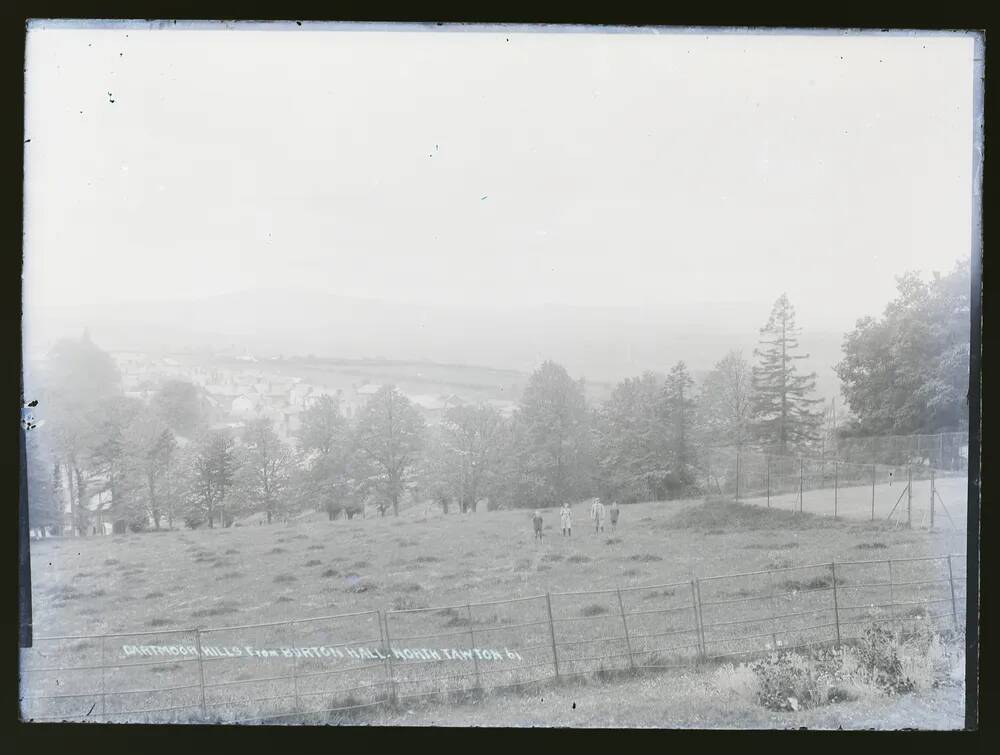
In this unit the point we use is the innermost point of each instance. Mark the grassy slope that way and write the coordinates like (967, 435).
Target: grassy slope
(256, 574)
(244, 575)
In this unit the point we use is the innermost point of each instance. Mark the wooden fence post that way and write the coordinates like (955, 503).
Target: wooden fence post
(774, 610)
(552, 635)
(836, 608)
(104, 689)
(628, 641)
(472, 638)
(295, 669)
(951, 581)
(383, 631)
(695, 616)
(696, 592)
(201, 671)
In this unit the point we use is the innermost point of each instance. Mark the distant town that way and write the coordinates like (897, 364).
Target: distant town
(236, 390)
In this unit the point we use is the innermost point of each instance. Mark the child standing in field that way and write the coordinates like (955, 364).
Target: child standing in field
(614, 515)
(537, 521)
(597, 514)
(566, 520)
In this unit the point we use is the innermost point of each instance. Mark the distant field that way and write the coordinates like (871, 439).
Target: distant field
(472, 382)
(158, 582)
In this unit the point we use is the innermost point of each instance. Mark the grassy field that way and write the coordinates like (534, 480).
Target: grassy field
(163, 582)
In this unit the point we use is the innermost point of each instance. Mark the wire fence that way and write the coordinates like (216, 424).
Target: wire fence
(943, 451)
(334, 668)
(911, 494)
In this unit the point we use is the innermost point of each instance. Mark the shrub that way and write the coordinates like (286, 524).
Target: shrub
(878, 656)
(870, 546)
(736, 681)
(313, 562)
(331, 573)
(645, 558)
(786, 681)
(593, 610)
(284, 578)
(578, 559)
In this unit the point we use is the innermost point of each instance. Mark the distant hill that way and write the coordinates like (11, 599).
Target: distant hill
(603, 344)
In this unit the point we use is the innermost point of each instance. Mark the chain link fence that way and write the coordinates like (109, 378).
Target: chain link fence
(913, 494)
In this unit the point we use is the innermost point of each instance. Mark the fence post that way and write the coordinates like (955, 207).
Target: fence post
(295, 669)
(836, 608)
(699, 619)
(774, 611)
(104, 689)
(628, 641)
(835, 490)
(695, 617)
(932, 499)
(384, 635)
(873, 492)
(800, 484)
(552, 634)
(892, 597)
(909, 496)
(767, 463)
(951, 581)
(201, 671)
(472, 638)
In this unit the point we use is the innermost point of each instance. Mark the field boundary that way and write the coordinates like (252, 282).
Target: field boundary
(511, 643)
(783, 481)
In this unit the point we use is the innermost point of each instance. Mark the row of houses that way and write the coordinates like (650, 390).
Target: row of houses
(236, 396)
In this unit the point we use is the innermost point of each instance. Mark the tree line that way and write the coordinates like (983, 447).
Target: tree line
(160, 463)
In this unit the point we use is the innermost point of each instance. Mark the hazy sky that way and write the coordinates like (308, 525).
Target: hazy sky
(497, 167)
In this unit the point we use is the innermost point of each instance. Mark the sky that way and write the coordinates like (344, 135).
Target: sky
(499, 168)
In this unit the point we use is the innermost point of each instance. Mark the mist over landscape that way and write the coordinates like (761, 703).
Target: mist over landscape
(604, 344)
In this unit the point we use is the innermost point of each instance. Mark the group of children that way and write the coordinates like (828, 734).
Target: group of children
(597, 515)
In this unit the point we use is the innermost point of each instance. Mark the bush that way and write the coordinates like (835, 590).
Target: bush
(884, 662)
(736, 681)
(786, 681)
